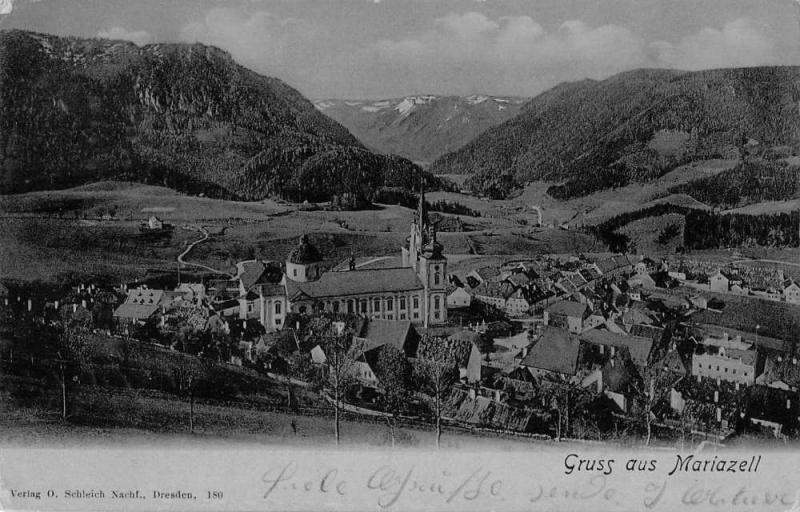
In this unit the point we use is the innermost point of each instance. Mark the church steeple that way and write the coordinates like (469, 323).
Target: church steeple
(422, 208)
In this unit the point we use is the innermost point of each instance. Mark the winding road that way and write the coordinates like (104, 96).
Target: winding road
(189, 248)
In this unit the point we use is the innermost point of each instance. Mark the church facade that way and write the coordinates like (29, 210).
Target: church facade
(409, 287)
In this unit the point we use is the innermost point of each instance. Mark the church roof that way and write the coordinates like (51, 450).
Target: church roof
(304, 253)
(357, 282)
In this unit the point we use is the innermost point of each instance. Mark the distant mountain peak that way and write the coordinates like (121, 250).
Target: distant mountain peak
(421, 126)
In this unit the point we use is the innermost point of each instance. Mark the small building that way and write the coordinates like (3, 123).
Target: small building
(459, 348)
(459, 298)
(731, 360)
(791, 292)
(567, 315)
(555, 352)
(720, 282)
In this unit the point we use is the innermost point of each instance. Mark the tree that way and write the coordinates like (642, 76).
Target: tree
(74, 352)
(340, 368)
(657, 380)
(394, 374)
(436, 374)
(187, 373)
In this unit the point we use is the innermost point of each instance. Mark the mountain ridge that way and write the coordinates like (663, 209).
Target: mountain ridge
(420, 127)
(187, 116)
(634, 126)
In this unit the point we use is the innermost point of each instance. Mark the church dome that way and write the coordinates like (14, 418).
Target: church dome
(304, 253)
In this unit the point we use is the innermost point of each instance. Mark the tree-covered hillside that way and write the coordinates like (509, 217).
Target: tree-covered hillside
(186, 116)
(632, 127)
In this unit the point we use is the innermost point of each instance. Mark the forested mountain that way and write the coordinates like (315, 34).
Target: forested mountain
(421, 128)
(748, 183)
(185, 116)
(632, 127)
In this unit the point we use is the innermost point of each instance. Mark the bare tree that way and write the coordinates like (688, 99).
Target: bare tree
(340, 367)
(74, 352)
(436, 372)
(394, 374)
(188, 373)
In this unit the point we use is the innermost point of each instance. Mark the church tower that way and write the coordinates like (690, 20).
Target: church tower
(418, 238)
(432, 271)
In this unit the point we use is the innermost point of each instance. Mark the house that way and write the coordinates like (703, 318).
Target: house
(517, 303)
(486, 274)
(780, 372)
(459, 348)
(398, 334)
(193, 292)
(646, 266)
(555, 352)
(791, 292)
(720, 281)
(731, 360)
(458, 298)
(642, 280)
(154, 223)
(140, 305)
(566, 315)
(637, 346)
(466, 406)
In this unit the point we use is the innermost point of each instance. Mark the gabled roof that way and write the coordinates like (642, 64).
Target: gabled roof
(557, 351)
(491, 289)
(135, 311)
(568, 308)
(254, 272)
(456, 348)
(379, 332)
(488, 273)
(638, 346)
(357, 282)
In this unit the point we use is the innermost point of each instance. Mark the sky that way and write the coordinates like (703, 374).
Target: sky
(370, 49)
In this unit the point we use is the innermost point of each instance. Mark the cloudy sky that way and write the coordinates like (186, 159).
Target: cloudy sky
(390, 48)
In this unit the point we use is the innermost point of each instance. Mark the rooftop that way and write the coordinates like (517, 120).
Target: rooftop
(356, 282)
(557, 350)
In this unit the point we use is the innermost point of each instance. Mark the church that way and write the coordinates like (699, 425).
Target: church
(409, 287)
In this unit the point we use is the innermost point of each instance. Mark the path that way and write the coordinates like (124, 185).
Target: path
(189, 247)
(768, 261)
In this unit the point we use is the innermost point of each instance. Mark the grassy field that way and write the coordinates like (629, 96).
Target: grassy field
(128, 416)
(93, 230)
(601, 205)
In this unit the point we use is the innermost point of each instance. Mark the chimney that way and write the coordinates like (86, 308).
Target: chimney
(719, 414)
(716, 396)
(30, 305)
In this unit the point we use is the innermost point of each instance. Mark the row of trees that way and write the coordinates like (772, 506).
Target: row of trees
(709, 230)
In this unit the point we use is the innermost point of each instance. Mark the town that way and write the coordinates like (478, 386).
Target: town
(590, 346)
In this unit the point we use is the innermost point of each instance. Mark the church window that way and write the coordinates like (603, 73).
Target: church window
(363, 305)
(436, 302)
(416, 302)
(436, 278)
(278, 308)
(350, 306)
(402, 303)
(389, 304)
(376, 305)
(416, 315)
(402, 316)
(336, 307)
(436, 315)
(294, 272)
